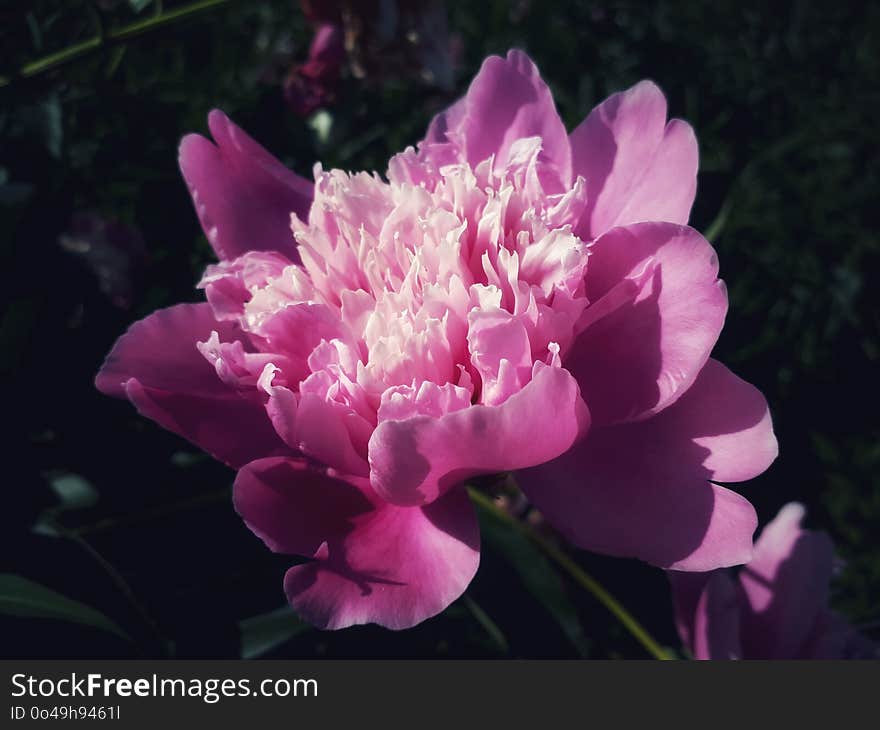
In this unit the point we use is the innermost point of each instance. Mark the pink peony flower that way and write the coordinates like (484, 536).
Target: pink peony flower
(777, 608)
(511, 298)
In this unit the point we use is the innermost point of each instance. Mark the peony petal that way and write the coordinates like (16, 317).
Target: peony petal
(707, 612)
(243, 196)
(414, 461)
(686, 589)
(645, 351)
(641, 489)
(786, 586)
(396, 569)
(717, 624)
(294, 331)
(669, 184)
(637, 167)
(157, 365)
(500, 353)
(506, 101)
(321, 433)
(281, 406)
(294, 507)
(446, 122)
(834, 638)
(429, 399)
(730, 418)
(374, 562)
(229, 285)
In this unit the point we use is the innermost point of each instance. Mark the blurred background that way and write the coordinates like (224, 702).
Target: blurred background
(121, 537)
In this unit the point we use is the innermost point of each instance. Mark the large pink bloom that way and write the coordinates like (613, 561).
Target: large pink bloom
(511, 298)
(776, 608)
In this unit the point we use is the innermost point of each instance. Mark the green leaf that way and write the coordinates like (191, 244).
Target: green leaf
(186, 459)
(260, 634)
(22, 597)
(138, 5)
(74, 491)
(12, 193)
(537, 574)
(46, 120)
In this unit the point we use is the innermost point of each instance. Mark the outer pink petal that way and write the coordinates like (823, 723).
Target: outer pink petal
(646, 349)
(446, 122)
(636, 167)
(686, 589)
(641, 489)
(707, 611)
(506, 101)
(669, 184)
(786, 585)
(730, 419)
(242, 195)
(157, 366)
(414, 461)
(374, 563)
(727, 419)
(294, 506)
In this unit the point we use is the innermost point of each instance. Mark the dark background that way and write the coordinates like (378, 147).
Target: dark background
(97, 230)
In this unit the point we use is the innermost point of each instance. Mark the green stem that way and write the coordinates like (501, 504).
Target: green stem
(486, 622)
(109, 38)
(120, 583)
(109, 523)
(576, 573)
